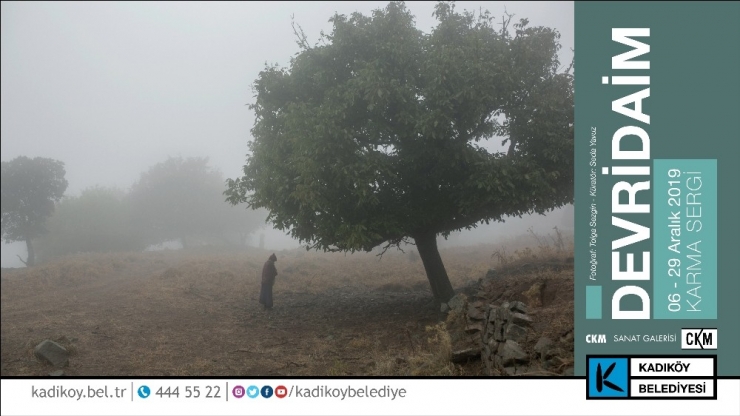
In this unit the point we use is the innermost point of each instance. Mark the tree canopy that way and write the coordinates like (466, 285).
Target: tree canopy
(183, 197)
(98, 220)
(374, 134)
(30, 187)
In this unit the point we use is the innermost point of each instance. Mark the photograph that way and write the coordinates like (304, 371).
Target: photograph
(287, 189)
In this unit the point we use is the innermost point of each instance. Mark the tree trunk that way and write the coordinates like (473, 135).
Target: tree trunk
(436, 273)
(31, 259)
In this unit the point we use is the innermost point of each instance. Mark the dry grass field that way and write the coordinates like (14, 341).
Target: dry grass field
(195, 312)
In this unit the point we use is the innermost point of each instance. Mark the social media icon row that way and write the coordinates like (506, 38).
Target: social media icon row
(253, 392)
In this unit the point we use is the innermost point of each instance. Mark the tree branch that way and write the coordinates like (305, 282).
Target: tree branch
(512, 145)
(301, 41)
(572, 61)
(506, 19)
(395, 242)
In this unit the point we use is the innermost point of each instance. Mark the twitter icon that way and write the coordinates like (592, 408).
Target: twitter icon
(253, 392)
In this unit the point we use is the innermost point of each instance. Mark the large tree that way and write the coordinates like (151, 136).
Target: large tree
(373, 135)
(98, 220)
(30, 187)
(182, 198)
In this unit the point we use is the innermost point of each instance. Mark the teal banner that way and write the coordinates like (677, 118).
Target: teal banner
(657, 142)
(685, 241)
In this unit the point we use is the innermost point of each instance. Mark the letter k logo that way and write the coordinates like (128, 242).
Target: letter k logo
(601, 379)
(606, 377)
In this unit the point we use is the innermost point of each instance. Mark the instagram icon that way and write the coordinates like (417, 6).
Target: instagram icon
(238, 392)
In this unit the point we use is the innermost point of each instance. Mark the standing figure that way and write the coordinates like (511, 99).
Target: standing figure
(269, 271)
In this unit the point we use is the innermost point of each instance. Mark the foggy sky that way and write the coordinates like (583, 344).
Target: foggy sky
(113, 88)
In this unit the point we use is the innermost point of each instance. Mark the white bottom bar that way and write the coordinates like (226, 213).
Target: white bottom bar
(420, 397)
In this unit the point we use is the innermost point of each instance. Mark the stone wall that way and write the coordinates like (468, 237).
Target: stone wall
(506, 330)
(502, 337)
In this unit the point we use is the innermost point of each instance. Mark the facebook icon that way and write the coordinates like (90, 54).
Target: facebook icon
(266, 392)
(607, 377)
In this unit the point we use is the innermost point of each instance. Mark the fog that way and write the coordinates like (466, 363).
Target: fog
(113, 88)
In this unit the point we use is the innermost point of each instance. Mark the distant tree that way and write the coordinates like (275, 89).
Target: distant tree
(181, 198)
(372, 136)
(241, 223)
(98, 220)
(30, 187)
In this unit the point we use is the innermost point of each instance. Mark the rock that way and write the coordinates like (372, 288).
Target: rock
(58, 373)
(476, 314)
(567, 338)
(516, 333)
(493, 314)
(487, 333)
(400, 361)
(491, 274)
(511, 353)
(568, 372)
(493, 346)
(516, 371)
(461, 356)
(552, 364)
(534, 293)
(504, 313)
(52, 353)
(521, 319)
(444, 308)
(518, 307)
(458, 302)
(498, 330)
(478, 305)
(486, 356)
(543, 346)
(486, 353)
(474, 328)
(524, 369)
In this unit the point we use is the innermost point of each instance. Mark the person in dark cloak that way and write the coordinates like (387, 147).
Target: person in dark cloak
(269, 271)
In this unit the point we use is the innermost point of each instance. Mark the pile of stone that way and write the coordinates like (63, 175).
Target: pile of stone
(548, 355)
(497, 335)
(506, 330)
(464, 335)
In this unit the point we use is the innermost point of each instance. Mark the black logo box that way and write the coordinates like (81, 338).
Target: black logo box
(629, 375)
